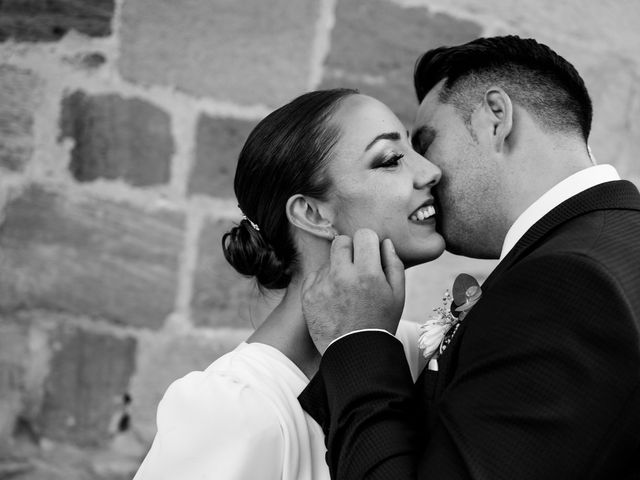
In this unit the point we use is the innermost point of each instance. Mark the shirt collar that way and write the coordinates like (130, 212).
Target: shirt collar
(567, 188)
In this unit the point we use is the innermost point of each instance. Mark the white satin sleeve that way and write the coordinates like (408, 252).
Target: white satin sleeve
(212, 426)
(409, 333)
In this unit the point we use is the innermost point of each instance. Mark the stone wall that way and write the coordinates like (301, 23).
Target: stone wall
(120, 123)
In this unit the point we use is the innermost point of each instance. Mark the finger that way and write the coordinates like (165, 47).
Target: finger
(341, 251)
(393, 267)
(366, 251)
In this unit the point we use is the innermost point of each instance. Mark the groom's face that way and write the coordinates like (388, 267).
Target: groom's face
(466, 192)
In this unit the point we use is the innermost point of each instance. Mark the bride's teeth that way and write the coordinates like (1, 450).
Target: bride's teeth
(423, 214)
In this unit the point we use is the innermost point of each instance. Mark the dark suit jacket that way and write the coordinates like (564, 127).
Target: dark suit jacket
(541, 381)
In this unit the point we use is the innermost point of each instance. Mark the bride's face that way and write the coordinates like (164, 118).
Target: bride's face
(380, 182)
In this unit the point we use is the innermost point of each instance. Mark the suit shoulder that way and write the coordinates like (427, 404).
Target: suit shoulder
(599, 234)
(604, 242)
(561, 270)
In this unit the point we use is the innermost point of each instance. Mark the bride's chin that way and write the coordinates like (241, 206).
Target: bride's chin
(432, 249)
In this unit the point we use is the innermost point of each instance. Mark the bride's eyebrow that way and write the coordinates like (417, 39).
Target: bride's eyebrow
(383, 136)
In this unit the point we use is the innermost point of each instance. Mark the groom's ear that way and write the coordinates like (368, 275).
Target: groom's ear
(498, 113)
(309, 215)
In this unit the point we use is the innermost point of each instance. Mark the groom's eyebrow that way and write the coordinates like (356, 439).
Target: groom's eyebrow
(383, 136)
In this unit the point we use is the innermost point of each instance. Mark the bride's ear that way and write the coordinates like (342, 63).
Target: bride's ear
(308, 215)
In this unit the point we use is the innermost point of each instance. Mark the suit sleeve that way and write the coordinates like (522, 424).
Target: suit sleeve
(546, 364)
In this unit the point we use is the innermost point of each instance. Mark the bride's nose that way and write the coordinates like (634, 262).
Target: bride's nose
(426, 174)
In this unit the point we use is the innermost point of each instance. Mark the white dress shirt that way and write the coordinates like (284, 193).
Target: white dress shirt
(567, 188)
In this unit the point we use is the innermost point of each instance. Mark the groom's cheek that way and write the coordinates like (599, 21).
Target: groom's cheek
(439, 210)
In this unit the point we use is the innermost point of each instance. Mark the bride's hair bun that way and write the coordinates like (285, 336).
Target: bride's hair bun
(249, 253)
(286, 154)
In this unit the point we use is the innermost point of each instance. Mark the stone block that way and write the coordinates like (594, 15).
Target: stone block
(87, 386)
(375, 44)
(87, 61)
(163, 358)
(89, 256)
(19, 96)
(46, 21)
(249, 52)
(221, 296)
(117, 138)
(218, 144)
(17, 469)
(14, 342)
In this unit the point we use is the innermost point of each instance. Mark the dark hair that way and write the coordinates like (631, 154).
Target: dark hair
(284, 155)
(531, 73)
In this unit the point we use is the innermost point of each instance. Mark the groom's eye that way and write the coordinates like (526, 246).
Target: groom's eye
(417, 144)
(422, 139)
(423, 145)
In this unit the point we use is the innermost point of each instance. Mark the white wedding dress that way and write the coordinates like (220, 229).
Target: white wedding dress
(240, 419)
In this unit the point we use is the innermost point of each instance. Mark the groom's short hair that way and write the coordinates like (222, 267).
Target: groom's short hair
(532, 74)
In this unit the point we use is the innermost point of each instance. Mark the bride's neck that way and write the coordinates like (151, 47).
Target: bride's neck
(286, 330)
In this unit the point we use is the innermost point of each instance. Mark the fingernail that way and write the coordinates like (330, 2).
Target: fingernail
(393, 249)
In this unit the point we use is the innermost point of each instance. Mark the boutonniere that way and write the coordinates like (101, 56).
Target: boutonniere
(442, 324)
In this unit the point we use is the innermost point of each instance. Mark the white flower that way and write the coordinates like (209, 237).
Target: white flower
(467, 292)
(432, 333)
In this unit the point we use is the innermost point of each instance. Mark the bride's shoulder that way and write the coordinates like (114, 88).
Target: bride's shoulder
(221, 394)
(214, 420)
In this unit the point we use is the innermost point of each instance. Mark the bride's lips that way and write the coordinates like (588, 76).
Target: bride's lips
(424, 214)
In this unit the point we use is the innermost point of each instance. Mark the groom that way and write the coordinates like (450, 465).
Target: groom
(542, 378)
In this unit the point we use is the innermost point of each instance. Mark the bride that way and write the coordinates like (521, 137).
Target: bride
(328, 163)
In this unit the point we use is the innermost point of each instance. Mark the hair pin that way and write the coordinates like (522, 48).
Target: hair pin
(254, 225)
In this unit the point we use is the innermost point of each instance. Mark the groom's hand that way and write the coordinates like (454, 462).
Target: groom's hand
(361, 287)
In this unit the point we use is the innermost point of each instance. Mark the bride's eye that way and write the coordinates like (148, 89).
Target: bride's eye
(389, 160)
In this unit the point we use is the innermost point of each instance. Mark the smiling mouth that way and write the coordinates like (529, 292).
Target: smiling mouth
(423, 214)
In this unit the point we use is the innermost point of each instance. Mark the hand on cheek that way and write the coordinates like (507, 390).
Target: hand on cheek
(361, 287)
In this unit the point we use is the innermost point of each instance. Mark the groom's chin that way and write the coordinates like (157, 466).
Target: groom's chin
(471, 250)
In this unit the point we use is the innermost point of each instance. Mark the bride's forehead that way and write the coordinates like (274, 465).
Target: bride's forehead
(361, 114)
